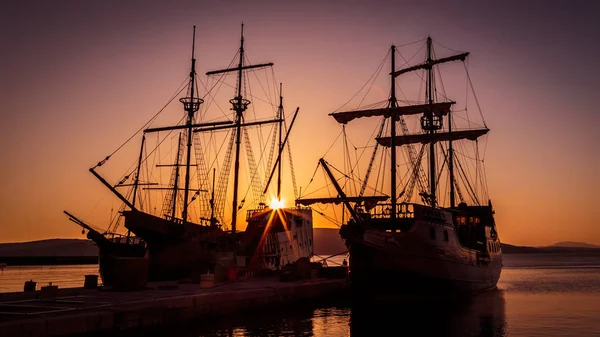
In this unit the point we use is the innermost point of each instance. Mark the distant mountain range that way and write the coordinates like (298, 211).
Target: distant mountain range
(327, 242)
(574, 244)
(49, 252)
(50, 247)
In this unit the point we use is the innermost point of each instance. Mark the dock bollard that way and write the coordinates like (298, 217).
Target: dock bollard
(91, 282)
(29, 286)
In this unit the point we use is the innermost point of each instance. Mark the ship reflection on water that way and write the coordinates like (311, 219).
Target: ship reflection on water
(482, 315)
(537, 296)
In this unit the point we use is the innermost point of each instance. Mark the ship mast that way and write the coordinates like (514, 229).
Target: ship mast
(137, 174)
(451, 162)
(431, 122)
(213, 221)
(393, 104)
(176, 181)
(191, 104)
(280, 144)
(431, 126)
(239, 106)
(137, 177)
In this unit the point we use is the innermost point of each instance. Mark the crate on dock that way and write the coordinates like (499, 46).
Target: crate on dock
(301, 269)
(91, 281)
(49, 291)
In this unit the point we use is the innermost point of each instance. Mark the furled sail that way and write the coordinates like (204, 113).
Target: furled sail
(438, 109)
(337, 200)
(426, 138)
(429, 64)
(228, 70)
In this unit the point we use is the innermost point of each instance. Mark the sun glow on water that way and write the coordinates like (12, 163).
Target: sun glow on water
(276, 204)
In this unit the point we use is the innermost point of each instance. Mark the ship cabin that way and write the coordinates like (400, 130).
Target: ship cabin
(474, 225)
(276, 237)
(476, 228)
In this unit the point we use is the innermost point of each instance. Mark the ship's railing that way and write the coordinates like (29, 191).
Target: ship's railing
(262, 207)
(251, 212)
(173, 219)
(298, 206)
(325, 261)
(403, 211)
(116, 237)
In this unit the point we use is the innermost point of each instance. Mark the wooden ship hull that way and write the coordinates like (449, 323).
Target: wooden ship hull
(108, 255)
(176, 250)
(425, 255)
(272, 239)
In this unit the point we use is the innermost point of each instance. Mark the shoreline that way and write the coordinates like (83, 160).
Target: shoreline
(14, 261)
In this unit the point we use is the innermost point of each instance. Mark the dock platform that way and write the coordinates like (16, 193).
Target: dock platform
(79, 311)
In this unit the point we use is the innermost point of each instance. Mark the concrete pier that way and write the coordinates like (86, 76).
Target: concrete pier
(82, 311)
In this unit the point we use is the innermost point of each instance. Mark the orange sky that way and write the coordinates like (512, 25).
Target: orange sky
(79, 78)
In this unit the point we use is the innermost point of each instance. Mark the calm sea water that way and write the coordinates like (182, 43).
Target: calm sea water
(538, 295)
(12, 278)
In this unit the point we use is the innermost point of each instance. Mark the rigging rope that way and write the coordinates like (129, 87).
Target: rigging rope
(454, 50)
(289, 148)
(223, 179)
(253, 171)
(377, 70)
(327, 217)
(202, 176)
(313, 175)
(474, 95)
(465, 179)
(181, 87)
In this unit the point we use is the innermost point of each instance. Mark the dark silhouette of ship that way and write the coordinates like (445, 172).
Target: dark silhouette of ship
(396, 244)
(177, 247)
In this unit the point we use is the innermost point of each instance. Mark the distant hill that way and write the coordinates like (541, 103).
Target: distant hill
(574, 244)
(327, 242)
(50, 247)
(511, 249)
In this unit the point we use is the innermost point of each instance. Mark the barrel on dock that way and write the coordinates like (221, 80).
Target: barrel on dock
(207, 281)
(91, 282)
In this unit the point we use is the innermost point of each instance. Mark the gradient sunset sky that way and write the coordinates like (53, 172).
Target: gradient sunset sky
(79, 77)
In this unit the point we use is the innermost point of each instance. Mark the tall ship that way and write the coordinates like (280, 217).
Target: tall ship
(180, 219)
(426, 223)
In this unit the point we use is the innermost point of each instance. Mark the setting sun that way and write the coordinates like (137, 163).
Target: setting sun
(276, 204)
